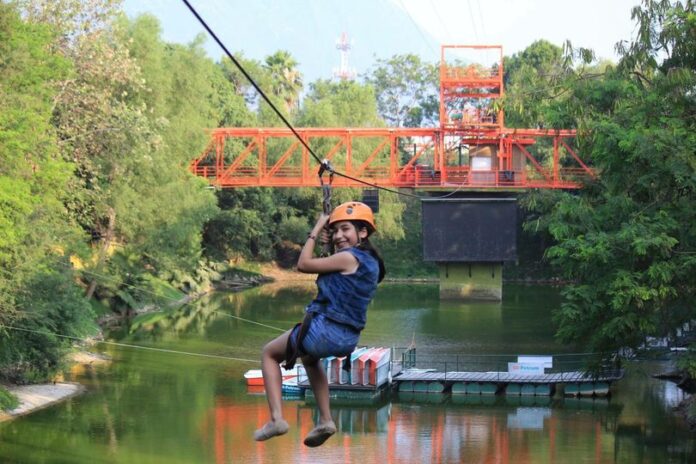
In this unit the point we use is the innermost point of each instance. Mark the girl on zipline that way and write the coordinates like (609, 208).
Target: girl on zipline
(346, 284)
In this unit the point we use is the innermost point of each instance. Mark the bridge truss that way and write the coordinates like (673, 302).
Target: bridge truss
(471, 150)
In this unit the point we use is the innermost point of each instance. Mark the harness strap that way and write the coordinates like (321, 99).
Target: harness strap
(292, 350)
(326, 192)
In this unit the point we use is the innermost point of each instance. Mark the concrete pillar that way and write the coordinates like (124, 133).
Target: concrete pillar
(471, 281)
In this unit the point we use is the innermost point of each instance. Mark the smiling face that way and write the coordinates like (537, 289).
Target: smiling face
(345, 235)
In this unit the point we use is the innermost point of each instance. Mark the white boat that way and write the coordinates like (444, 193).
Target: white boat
(254, 377)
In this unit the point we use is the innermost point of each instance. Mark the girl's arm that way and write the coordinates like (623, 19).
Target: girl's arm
(339, 262)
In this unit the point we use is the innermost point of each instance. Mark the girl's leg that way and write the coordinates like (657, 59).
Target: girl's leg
(273, 355)
(320, 385)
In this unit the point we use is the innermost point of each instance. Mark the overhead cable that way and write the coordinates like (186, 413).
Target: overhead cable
(128, 345)
(277, 111)
(290, 126)
(473, 20)
(420, 31)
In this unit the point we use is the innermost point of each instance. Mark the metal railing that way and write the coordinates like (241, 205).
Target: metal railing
(565, 367)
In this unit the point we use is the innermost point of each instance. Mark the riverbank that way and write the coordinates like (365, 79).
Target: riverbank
(35, 397)
(278, 274)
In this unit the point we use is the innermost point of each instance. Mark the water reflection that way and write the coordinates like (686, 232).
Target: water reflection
(419, 427)
(154, 407)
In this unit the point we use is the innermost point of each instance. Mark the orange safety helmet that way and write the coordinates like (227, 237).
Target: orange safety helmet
(353, 211)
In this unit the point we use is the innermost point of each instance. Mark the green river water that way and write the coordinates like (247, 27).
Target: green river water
(160, 407)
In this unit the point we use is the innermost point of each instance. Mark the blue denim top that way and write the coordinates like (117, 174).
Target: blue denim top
(344, 298)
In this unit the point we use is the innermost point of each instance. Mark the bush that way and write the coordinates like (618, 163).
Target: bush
(294, 229)
(54, 312)
(7, 400)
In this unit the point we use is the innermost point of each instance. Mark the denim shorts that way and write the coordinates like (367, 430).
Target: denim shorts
(327, 338)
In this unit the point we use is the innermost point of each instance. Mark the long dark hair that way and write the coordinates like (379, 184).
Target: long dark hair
(364, 244)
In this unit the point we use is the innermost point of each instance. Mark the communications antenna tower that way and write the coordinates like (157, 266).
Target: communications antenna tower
(344, 72)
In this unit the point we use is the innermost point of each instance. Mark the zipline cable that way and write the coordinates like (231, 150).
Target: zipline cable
(280, 115)
(473, 20)
(217, 356)
(483, 23)
(277, 111)
(324, 165)
(418, 28)
(128, 345)
(250, 79)
(289, 125)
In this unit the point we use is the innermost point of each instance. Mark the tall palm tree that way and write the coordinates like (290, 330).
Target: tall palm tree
(287, 80)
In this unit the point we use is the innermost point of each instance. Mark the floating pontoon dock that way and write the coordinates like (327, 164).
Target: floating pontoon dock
(575, 383)
(371, 372)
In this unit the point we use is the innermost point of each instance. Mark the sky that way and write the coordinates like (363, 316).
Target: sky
(379, 29)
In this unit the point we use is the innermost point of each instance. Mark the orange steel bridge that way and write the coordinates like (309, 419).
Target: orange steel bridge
(471, 150)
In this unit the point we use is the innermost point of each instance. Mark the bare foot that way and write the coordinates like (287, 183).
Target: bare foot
(320, 434)
(271, 429)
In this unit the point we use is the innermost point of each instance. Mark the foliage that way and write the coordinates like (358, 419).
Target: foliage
(132, 120)
(687, 363)
(286, 79)
(407, 91)
(238, 82)
(403, 254)
(37, 287)
(532, 82)
(295, 229)
(339, 104)
(53, 310)
(7, 400)
(244, 227)
(232, 99)
(98, 121)
(31, 175)
(629, 241)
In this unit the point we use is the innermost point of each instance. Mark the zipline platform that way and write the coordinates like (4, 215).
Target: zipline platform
(574, 383)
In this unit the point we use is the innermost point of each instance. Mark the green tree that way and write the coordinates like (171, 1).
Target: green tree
(99, 130)
(244, 228)
(172, 107)
(37, 287)
(131, 118)
(407, 91)
(286, 79)
(532, 82)
(339, 104)
(231, 98)
(629, 241)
